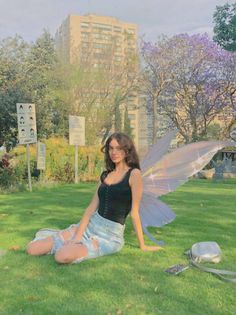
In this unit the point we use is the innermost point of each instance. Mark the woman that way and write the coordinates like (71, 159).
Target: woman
(100, 231)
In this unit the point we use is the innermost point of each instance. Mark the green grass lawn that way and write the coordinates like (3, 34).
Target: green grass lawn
(129, 282)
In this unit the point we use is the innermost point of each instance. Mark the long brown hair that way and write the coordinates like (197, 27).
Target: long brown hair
(127, 145)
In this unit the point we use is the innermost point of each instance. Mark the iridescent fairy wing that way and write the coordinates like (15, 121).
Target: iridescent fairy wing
(167, 174)
(177, 166)
(154, 212)
(157, 151)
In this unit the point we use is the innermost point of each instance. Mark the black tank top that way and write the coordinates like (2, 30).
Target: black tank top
(115, 200)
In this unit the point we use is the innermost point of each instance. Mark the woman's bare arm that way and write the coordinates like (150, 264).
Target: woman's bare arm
(137, 190)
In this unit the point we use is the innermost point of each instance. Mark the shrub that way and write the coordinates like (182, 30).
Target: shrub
(60, 161)
(8, 174)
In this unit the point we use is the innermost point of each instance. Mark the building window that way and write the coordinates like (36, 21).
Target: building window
(101, 36)
(117, 58)
(117, 29)
(84, 35)
(131, 97)
(101, 46)
(103, 27)
(99, 56)
(130, 31)
(132, 107)
(132, 116)
(84, 25)
(129, 50)
(85, 44)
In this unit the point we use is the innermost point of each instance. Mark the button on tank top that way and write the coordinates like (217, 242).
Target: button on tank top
(115, 200)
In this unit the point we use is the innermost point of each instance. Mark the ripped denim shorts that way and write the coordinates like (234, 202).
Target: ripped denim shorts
(109, 235)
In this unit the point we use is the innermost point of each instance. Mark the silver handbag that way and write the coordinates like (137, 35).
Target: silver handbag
(205, 252)
(209, 252)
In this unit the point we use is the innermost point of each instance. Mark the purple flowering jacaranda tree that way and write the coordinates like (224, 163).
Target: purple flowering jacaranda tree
(193, 80)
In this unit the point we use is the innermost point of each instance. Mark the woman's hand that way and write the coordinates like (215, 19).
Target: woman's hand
(74, 239)
(147, 248)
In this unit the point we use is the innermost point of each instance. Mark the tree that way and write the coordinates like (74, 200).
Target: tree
(13, 54)
(120, 80)
(127, 127)
(99, 88)
(196, 82)
(28, 74)
(225, 26)
(117, 118)
(41, 81)
(81, 95)
(155, 78)
(230, 80)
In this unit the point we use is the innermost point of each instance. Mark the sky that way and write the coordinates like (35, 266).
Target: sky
(28, 18)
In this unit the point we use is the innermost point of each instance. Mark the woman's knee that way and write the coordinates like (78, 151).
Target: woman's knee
(40, 247)
(32, 250)
(70, 253)
(63, 256)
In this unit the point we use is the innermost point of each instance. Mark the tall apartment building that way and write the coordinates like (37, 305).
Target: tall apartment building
(80, 38)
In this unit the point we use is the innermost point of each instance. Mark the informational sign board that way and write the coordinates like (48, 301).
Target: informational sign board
(76, 130)
(41, 156)
(27, 132)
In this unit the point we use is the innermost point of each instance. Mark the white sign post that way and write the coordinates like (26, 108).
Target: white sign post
(76, 137)
(27, 132)
(41, 156)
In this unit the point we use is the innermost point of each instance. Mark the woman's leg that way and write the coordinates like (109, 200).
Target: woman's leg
(44, 246)
(74, 251)
(40, 247)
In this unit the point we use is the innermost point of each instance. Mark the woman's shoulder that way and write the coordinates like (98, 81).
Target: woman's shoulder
(135, 172)
(135, 177)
